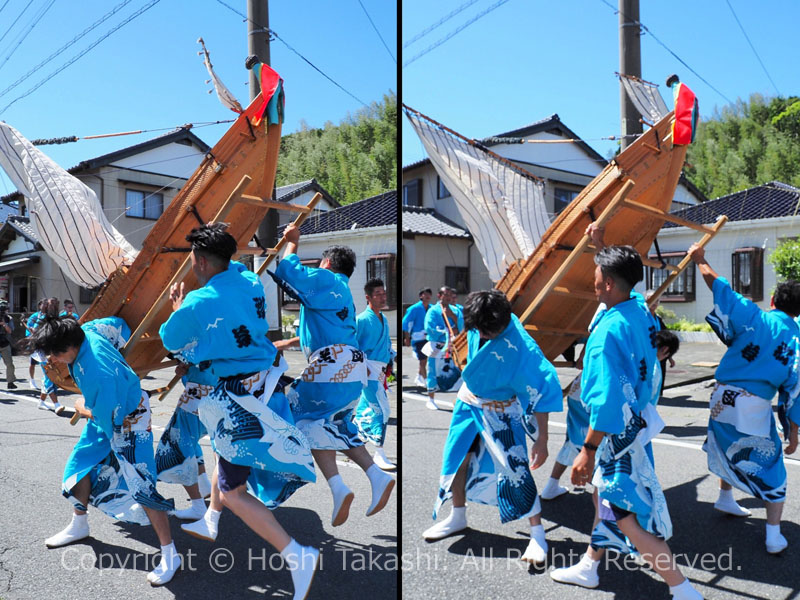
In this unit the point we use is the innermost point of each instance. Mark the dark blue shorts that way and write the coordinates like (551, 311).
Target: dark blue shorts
(417, 348)
(231, 476)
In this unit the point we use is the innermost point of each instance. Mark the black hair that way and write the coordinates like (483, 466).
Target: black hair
(342, 259)
(622, 263)
(425, 291)
(787, 297)
(213, 242)
(666, 338)
(56, 335)
(488, 311)
(68, 301)
(372, 285)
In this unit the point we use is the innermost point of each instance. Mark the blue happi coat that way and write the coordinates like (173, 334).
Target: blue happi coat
(511, 370)
(115, 448)
(443, 374)
(620, 384)
(222, 328)
(323, 408)
(414, 320)
(761, 360)
(372, 412)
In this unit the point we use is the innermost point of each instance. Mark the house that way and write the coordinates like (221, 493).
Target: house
(437, 248)
(758, 219)
(301, 194)
(133, 185)
(369, 227)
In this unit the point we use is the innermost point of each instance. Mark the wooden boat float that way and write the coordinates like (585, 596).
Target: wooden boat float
(552, 291)
(233, 184)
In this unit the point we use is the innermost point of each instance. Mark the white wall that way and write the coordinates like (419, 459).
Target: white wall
(174, 160)
(762, 233)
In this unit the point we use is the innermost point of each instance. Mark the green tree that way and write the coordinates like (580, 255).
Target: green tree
(747, 144)
(353, 160)
(786, 260)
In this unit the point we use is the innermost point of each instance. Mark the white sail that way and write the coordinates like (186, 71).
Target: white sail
(645, 97)
(64, 213)
(223, 93)
(502, 208)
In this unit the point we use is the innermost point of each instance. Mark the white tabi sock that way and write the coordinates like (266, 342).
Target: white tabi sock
(302, 562)
(336, 484)
(170, 562)
(459, 513)
(685, 591)
(726, 495)
(382, 485)
(342, 498)
(588, 563)
(199, 504)
(537, 532)
(83, 520)
(375, 474)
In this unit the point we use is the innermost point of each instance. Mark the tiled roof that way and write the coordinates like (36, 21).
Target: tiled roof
(285, 193)
(426, 221)
(376, 211)
(23, 226)
(773, 199)
(7, 210)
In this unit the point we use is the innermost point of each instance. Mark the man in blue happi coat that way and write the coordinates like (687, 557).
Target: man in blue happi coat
(372, 412)
(508, 390)
(326, 393)
(620, 384)
(443, 321)
(414, 332)
(743, 445)
(262, 457)
(112, 466)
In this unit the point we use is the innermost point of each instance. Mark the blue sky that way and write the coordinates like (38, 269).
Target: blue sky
(528, 59)
(148, 75)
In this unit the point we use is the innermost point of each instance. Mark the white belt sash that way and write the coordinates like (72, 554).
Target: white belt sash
(748, 413)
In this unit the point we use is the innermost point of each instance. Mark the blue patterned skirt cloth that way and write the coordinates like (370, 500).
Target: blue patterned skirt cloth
(252, 426)
(372, 412)
(178, 454)
(499, 473)
(122, 470)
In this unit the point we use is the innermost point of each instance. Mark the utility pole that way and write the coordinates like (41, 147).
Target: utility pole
(630, 63)
(258, 45)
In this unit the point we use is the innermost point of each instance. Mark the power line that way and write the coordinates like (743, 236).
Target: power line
(81, 54)
(19, 16)
(378, 32)
(63, 48)
(678, 58)
(744, 33)
(272, 32)
(454, 32)
(427, 30)
(36, 19)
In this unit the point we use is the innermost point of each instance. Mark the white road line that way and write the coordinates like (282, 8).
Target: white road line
(656, 440)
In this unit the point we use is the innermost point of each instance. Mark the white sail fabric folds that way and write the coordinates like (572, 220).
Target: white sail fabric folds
(502, 208)
(645, 97)
(223, 93)
(64, 213)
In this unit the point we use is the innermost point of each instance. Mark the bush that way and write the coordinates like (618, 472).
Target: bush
(786, 260)
(684, 324)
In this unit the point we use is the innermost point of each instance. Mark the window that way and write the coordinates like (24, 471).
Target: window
(747, 269)
(457, 278)
(442, 191)
(682, 288)
(562, 197)
(384, 267)
(143, 205)
(286, 300)
(412, 193)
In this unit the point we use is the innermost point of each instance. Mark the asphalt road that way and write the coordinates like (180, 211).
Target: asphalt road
(359, 558)
(723, 556)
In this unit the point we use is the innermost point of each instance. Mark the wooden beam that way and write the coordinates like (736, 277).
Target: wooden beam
(721, 220)
(656, 264)
(145, 369)
(554, 331)
(256, 201)
(282, 242)
(638, 206)
(562, 291)
(608, 212)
